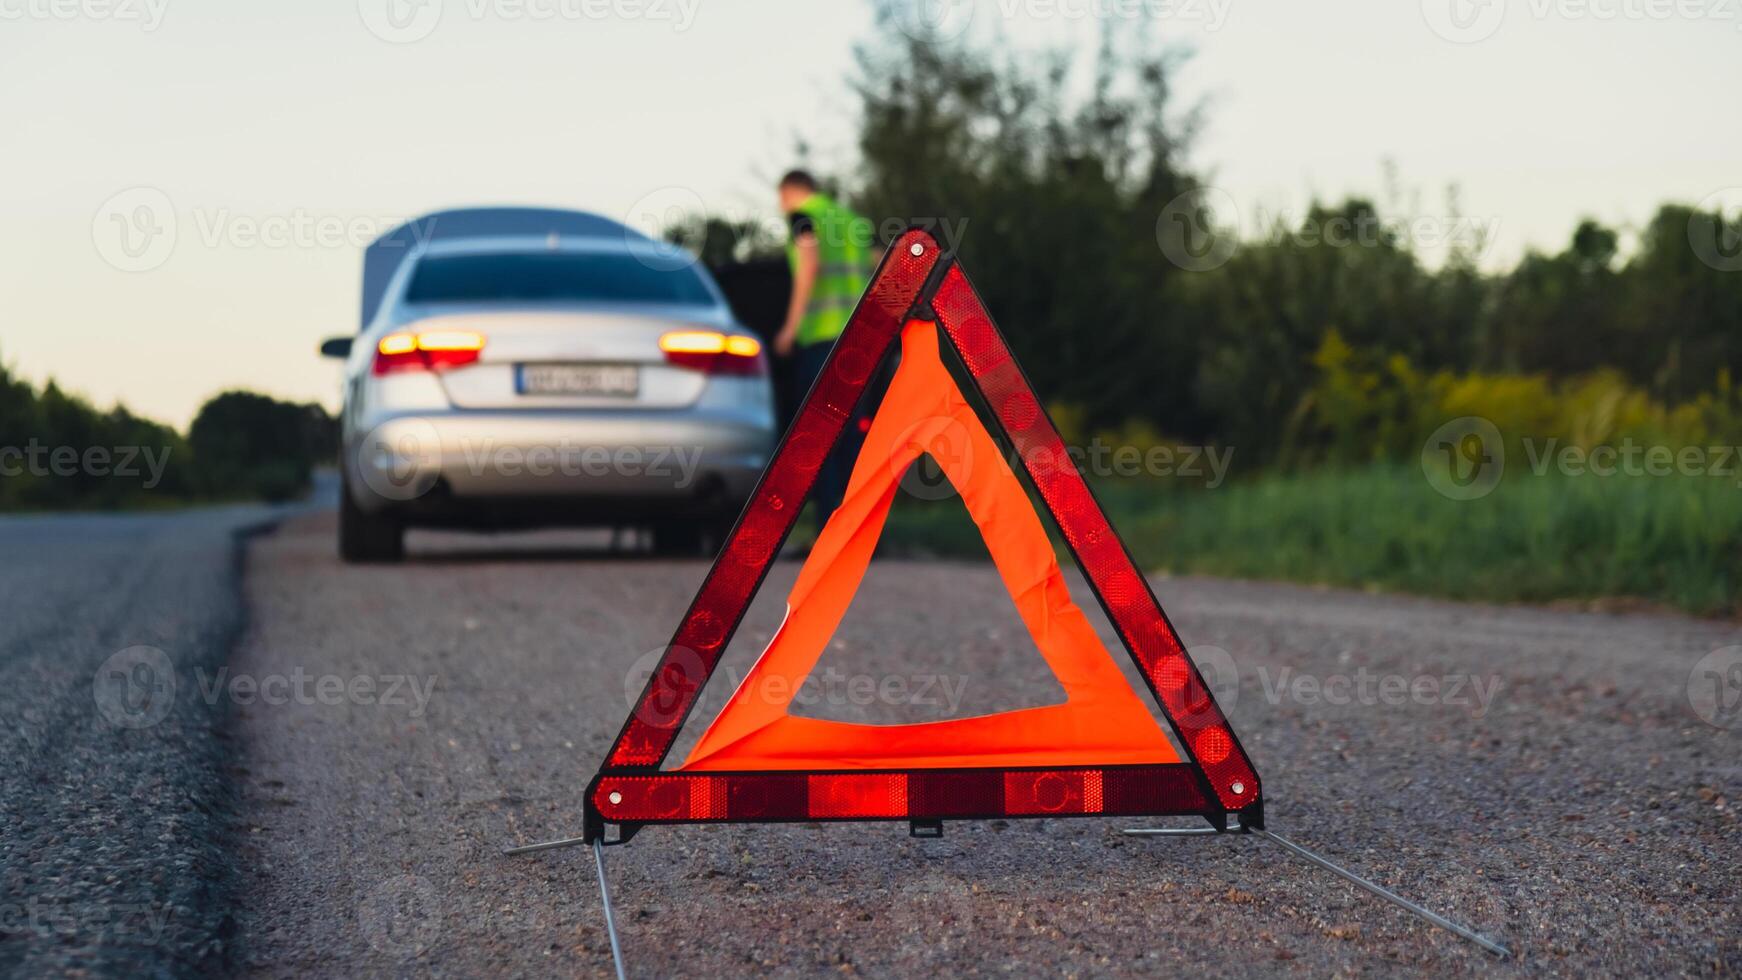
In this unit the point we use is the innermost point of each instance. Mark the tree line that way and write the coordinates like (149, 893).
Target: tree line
(1131, 303)
(58, 451)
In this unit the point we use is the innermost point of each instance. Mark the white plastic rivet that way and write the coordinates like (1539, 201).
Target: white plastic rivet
(617, 797)
(917, 249)
(1238, 788)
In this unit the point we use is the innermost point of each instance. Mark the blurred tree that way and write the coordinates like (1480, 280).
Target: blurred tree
(246, 444)
(1054, 200)
(1682, 303)
(1556, 314)
(1265, 315)
(43, 426)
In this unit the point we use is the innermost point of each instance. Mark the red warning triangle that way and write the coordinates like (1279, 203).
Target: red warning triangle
(1098, 753)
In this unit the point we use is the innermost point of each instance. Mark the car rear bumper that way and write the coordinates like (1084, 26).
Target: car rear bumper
(490, 463)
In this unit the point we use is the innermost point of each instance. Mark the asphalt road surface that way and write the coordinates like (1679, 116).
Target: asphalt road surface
(115, 809)
(1545, 776)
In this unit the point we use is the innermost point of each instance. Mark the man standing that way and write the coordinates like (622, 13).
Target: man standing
(831, 258)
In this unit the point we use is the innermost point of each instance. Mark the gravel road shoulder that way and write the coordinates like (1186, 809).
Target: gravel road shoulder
(1582, 813)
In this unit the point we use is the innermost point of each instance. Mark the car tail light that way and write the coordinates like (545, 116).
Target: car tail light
(713, 352)
(431, 351)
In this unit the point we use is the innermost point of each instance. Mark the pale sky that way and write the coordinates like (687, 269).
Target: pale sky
(277, 139)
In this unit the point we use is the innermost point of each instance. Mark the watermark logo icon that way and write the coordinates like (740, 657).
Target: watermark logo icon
(941, 442)
(1464, 459)
(135, 687)
(1197, 230)
(1221, 674)
(684, 673)
(135, 229)
(400, 21)
(676, 218)
(1715, 230)
(400, 459)
(1715, 688)
(401, 917)
(933, 20)
(1464, 21)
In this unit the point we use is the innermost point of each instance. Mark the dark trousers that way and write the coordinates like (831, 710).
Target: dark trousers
(831, 485)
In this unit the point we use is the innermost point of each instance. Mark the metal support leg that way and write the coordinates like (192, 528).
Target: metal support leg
(1169, 831)
(549, 845)
(1389, 896)
(605, 899)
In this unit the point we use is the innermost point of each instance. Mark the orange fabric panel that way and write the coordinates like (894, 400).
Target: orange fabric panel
(1101, 722)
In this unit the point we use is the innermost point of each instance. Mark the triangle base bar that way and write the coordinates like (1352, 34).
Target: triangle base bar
(1172, 789)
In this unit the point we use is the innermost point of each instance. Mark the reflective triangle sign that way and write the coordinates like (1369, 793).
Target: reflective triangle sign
(1098, 753)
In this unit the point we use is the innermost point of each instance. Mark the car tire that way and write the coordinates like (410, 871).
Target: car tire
(366, 538)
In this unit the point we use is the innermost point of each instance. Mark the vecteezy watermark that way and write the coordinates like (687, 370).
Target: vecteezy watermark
(409, 21)
(1200, 229)
(116, 462)
(941, 446)
(1470, 21)
(946, 20)
(834, 687)
(403, 459)
(1464, 459)
(1464, 21)
(1212, 14)
(931, 20)
(1715, 229)
(1203, 228)
(1363, 687)
(148, 14)
(124, 922)
(301, 687)
(831, 687)
(135, 229)
(297, 228)
(1715, 688)
(138, 229)
(137, 688)
(1632, 458)
(401, 917)
(400, 459)
(576, 458)
(1370, 689)
(682, 225)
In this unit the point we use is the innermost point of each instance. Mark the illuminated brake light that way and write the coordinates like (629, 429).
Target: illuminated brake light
(445, 340)
(398, 343)
(713, 352)
(431, 351)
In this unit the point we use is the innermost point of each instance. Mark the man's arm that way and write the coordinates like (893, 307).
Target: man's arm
(804, 280)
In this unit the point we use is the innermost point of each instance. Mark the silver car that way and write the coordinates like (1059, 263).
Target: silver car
(522, 368)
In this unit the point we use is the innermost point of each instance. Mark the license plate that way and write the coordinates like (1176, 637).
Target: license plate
(610, 380)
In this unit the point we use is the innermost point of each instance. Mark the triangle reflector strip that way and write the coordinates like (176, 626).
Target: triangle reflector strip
(1098, 753)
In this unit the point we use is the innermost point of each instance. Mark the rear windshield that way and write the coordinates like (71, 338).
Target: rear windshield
(553, 277)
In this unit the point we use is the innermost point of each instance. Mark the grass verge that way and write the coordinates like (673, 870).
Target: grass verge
(1675, 540)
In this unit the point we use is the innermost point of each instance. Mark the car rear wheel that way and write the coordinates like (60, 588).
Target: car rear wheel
(368, 538)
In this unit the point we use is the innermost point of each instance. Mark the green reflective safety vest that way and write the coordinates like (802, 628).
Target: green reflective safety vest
(844, 242)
